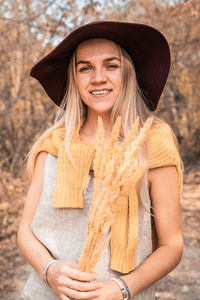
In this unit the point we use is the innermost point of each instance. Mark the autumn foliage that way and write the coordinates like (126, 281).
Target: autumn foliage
(30, 29)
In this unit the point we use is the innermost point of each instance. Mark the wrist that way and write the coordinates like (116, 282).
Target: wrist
(45, 270)
(122, 288)
(125, 286)
(113, 291)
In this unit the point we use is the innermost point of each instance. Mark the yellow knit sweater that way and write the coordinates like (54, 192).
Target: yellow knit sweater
(71, 182)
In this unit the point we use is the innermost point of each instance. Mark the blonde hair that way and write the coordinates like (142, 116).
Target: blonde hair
(129, 104)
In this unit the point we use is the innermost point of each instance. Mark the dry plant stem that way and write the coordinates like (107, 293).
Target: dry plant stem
(116, 172)
(99, 164)
(99, 148)
(96, 250)
(130, 136)
(101, 231)
(133, 150)
(94, 240)
(95, 202)
(97, 255)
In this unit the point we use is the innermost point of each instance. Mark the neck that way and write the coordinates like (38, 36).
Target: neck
(90, 125)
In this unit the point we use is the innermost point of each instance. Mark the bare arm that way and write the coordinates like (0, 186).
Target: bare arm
(30, 247)
(62, 276)
(164, 192)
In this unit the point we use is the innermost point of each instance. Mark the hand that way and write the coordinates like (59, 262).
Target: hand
(68, 282)
(109, 291)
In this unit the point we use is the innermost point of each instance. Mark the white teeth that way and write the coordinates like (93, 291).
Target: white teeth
(99, 92)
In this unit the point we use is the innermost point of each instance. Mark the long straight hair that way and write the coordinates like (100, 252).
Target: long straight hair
(129, 104)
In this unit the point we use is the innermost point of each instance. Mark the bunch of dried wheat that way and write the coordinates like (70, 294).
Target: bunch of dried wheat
(115, 174)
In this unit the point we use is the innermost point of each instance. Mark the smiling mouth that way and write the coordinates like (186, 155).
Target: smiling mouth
(100, 92)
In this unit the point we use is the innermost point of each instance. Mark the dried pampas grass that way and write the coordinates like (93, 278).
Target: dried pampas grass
(115, 174)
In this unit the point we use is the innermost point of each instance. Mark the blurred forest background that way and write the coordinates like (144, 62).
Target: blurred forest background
(29, 29)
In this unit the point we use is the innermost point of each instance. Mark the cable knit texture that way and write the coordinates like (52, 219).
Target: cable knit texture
(71, 182)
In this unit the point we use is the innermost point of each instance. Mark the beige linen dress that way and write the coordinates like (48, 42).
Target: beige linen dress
(63, 232)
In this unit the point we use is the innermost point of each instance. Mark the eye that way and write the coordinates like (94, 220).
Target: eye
(85, 69)
(112, 67)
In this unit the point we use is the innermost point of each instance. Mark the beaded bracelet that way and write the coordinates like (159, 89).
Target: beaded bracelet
(124, 294)
(46, 268)
(126, 286)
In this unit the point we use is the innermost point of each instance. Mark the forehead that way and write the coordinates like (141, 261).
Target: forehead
(97, 47)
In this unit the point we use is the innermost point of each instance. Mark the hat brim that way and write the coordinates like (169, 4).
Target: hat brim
(146, 46)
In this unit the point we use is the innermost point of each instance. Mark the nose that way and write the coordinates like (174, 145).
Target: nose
(98, 76)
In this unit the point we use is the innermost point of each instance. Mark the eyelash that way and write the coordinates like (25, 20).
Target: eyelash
(84, 68)
(110, 66)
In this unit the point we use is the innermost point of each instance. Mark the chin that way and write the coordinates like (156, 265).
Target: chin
(103, 111)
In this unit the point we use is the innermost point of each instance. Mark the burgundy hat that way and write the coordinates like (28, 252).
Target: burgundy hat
(146, 46)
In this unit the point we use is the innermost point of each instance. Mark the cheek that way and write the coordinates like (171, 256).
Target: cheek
(81, 83)
(117, 79)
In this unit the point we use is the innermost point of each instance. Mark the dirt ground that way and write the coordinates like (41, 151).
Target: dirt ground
(181, 284)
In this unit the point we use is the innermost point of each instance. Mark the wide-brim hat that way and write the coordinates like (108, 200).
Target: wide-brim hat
(146, 46)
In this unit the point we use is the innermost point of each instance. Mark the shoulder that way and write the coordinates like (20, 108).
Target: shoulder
(162, 146)
(160, 131)
(39, 166)
(51, 139)
(163, 150)
(41, 157)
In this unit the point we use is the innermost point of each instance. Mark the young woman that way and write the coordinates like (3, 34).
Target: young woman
(105, 69)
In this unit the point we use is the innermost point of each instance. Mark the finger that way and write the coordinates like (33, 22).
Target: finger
(83, 286)
(80, 295)
(77, 275)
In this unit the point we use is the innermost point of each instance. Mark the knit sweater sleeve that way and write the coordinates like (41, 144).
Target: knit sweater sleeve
(48, 144)
(164, 150)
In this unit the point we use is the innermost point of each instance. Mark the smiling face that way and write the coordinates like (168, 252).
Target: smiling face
(98, 74)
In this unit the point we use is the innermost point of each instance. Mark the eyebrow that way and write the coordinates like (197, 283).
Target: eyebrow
(105, 60)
